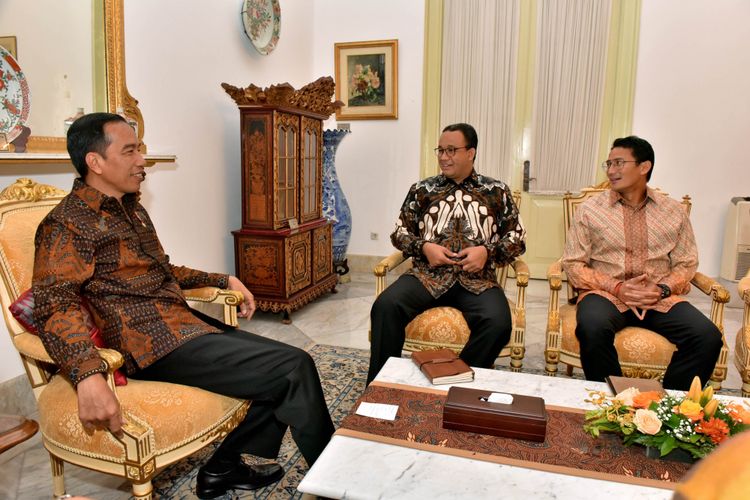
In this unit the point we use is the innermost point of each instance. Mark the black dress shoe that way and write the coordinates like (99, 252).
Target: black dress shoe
(241, 477)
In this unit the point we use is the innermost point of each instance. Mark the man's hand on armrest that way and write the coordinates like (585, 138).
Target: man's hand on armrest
(247, 308)
(98, 405)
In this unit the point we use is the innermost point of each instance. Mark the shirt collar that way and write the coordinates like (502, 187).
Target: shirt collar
(473, 179)
(651, 197)
(97, 200)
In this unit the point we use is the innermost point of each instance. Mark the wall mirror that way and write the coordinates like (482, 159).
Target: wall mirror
(73, 56)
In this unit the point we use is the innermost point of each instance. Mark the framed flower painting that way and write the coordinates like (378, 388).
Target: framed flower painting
(367, 80)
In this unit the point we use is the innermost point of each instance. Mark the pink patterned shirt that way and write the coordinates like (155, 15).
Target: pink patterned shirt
(610, 241)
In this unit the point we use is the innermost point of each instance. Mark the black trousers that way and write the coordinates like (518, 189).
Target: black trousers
(697, 339)
(487, 314)
(281, 380)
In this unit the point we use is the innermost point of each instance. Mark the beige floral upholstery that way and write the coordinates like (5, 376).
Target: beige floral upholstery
(441, 327)
(163, 422)
(742, 344)
(642, 353)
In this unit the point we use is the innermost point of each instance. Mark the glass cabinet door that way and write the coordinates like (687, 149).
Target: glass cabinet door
(287, 129)
(311, 169)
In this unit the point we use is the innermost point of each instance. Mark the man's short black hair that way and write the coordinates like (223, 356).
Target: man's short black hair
(85, 135)
(641, 149)
(470, 135)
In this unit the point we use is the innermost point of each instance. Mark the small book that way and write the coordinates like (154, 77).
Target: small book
(619, 384)
(443, 366)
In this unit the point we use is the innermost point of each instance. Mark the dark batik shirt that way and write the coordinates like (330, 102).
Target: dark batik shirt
(479, 211)
(92, 248)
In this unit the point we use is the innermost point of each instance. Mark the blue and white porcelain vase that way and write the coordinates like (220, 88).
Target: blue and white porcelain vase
(335, 207)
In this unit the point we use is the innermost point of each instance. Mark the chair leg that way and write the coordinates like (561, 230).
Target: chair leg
(551, 358)
(516, 358)
(569, 370)
(58, 477)
(143, 491)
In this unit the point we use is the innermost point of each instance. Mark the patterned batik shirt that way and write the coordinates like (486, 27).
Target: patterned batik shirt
(610, 242)
(93, 249)
(478, 211)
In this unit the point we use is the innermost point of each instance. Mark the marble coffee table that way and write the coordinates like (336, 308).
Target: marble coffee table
(360, 469)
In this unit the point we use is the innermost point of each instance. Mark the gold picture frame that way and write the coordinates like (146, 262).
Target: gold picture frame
(10, 44)
(367, 80)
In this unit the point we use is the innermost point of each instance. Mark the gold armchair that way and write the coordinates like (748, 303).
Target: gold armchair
(441, 327)
(642, 353)
(742, 344)
(163, 422)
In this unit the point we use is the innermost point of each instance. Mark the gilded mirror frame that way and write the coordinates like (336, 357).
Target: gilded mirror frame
(115, 86)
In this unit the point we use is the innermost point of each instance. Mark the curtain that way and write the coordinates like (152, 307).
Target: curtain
(569, 91)
(480, 45)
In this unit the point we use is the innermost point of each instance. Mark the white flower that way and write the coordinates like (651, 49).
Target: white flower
(647, 422)
(626, 396)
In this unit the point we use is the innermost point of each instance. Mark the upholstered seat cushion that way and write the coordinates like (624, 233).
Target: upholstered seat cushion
(177, 414)
(634, 345)
(441, 327)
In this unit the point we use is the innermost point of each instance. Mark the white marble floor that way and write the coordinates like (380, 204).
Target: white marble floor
(340, 319)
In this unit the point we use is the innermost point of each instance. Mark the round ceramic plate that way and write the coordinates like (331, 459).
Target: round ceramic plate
(262, 21)
(14, 96)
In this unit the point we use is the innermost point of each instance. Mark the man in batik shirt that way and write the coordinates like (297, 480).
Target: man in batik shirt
(456, 227)
(98, 246)
(631, 253)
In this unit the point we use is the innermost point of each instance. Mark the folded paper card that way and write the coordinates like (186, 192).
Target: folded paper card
(471, 410)
(442, 366)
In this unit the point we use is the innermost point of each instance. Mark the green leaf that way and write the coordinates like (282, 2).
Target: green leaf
(667, 445)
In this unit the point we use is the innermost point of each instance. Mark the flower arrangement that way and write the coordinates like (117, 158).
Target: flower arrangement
(694, 422)
(365, 82)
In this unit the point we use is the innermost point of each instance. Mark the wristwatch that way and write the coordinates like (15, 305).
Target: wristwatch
(665, 290)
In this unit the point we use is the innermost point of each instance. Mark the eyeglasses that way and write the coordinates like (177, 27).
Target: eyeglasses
(618, 163)
(450, 151)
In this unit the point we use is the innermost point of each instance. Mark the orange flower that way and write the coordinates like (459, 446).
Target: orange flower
(644, 399)
(739, 413)
(715, 428)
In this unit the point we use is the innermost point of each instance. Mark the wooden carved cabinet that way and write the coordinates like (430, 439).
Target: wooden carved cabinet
(283, 252)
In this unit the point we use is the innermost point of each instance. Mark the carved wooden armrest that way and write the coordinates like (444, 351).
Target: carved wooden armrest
(381, 270)
(744, 288)
(31, 346)
(214, 294)
(554, 275)
(229, 299)
(389, 263)
(711, 287)
(113, 358)
(521, 269)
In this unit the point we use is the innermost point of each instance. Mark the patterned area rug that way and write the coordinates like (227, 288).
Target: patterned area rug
(342, 372)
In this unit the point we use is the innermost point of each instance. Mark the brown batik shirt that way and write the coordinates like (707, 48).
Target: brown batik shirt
(478, 211)
(92, 248)
(610, 242)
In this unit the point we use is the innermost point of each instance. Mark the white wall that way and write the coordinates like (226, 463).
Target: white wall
(692, 102)
(379, 160)
(178, 53)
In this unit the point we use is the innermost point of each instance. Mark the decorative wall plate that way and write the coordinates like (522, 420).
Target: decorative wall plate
(14, 96)
(262, 21)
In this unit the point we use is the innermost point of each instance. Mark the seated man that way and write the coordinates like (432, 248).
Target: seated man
(631, 253)
(99, 246)
(456, 227)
